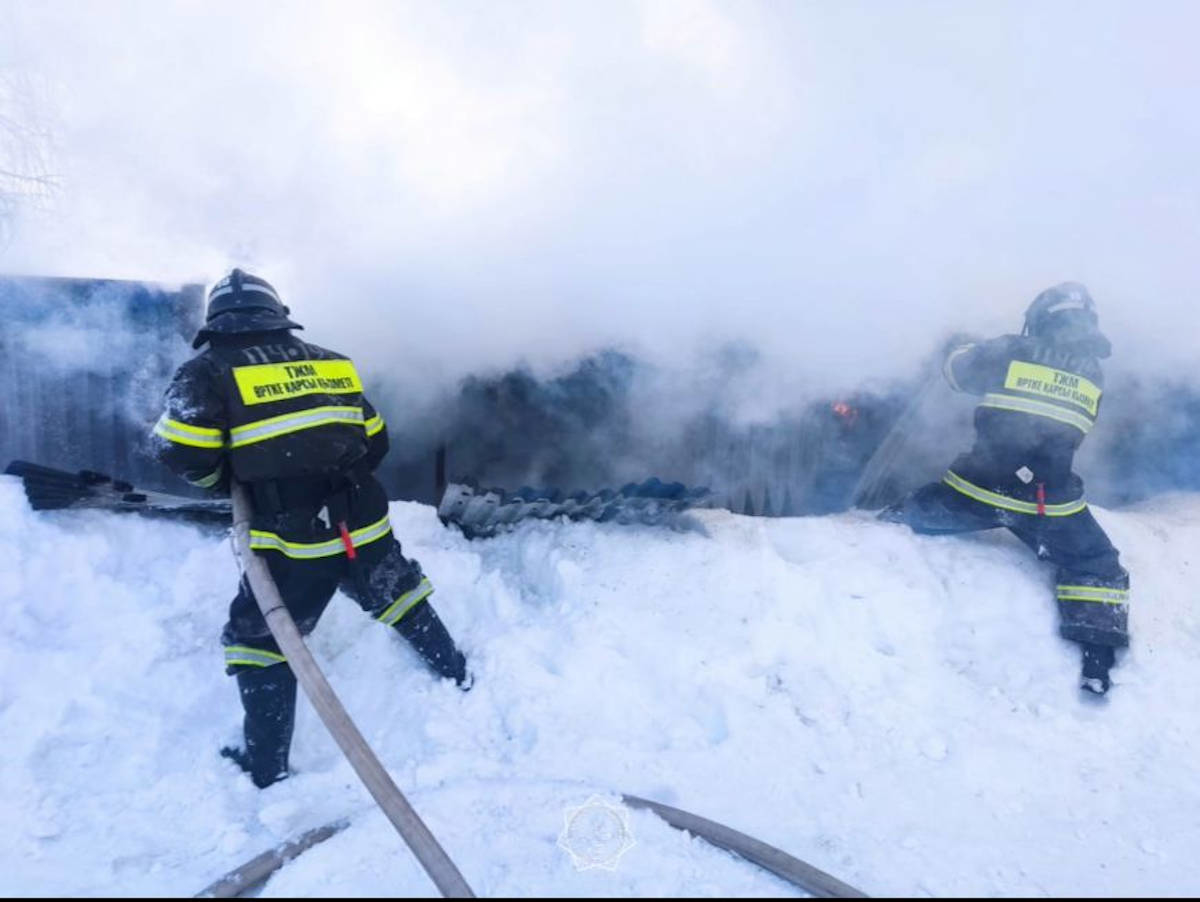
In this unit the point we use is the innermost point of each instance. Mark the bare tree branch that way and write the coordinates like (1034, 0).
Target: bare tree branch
(26, 149)
(49, 181)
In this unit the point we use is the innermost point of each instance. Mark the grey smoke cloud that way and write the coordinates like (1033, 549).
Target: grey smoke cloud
(443, 188)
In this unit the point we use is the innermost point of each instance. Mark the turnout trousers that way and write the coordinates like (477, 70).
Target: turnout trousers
(382, 581)
(388, 586)
(1092, 587)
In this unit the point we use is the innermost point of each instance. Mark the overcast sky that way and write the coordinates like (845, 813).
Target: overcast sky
(447, 186)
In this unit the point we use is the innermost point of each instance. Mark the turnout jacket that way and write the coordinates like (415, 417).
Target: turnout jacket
(288, 419)
(1039, 401)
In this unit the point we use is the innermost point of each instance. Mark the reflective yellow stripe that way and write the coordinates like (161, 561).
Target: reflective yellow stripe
(1037, 409)
(1100, 594)
(373, 425)
(266, 382)
(261, 540)
(405, 603)
(207, 482)
(1047, 382)
(252, 657)
(995, 499)
(186, 434)
(273, 427)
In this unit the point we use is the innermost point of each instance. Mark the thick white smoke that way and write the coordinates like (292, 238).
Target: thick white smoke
(440, 188)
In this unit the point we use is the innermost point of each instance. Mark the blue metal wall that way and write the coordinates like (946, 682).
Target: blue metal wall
(83, 365)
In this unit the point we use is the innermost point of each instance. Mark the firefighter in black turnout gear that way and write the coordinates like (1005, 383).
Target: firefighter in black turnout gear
(288, 419)
(1041, 393)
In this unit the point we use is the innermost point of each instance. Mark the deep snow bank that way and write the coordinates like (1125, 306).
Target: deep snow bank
(896, 710)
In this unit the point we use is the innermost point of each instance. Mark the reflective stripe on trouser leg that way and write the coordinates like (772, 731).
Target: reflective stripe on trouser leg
(245, 656)
(1099, 594)
(1090, 613)
(405, 603)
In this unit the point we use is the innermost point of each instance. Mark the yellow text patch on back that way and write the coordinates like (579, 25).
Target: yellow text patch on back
(280, 381)
(1058, 385)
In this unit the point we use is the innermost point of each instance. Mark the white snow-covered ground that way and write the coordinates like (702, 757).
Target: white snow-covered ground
(893, 709)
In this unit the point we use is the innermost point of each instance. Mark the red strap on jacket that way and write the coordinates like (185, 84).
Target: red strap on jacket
(1041, 499)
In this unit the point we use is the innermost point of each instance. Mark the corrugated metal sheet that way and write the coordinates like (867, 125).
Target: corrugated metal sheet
(83, 364)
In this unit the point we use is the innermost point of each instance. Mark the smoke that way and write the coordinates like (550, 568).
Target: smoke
(83, 365)
(612, 419)
(443, 190)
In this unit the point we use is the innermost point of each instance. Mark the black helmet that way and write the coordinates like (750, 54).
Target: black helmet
(241, 302)
(1066, 315)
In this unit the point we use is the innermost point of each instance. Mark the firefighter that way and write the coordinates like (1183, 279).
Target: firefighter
(1041, 393)
(289, 420)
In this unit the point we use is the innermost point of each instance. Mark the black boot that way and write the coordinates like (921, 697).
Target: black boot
(426, 633)
(1097, 661)
(269, 700)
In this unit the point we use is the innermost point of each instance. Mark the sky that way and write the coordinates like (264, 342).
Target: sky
(893, 709)
(446, 188)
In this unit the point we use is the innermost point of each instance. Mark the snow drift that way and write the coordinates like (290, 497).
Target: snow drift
(897, 710)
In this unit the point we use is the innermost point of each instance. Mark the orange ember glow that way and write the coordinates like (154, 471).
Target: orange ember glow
(844, 411)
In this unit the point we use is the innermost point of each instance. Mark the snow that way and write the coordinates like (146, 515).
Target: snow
(896, 710)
